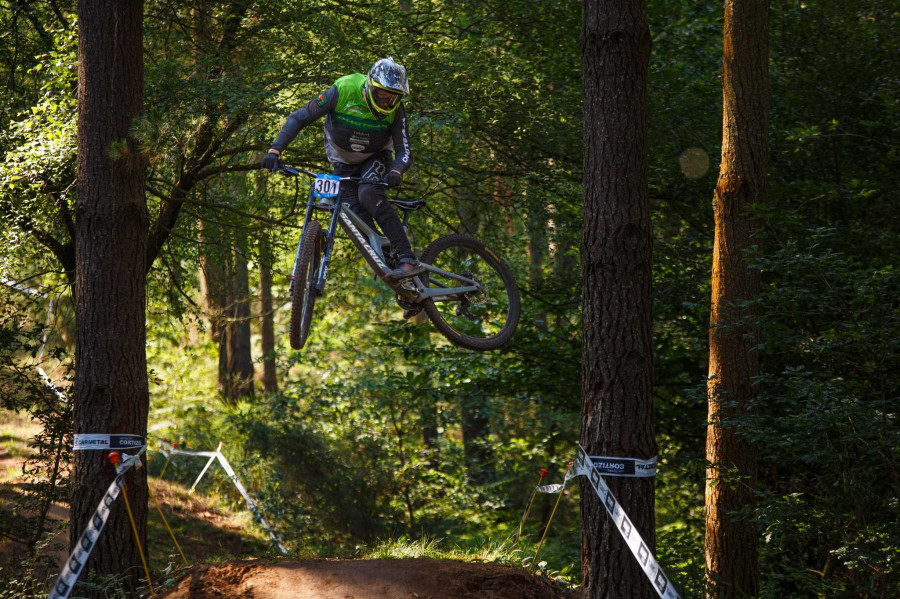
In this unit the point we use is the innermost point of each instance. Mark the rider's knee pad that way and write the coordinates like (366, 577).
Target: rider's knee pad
(374, 199)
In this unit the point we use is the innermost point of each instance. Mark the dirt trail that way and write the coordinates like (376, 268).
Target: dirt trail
(360, 579)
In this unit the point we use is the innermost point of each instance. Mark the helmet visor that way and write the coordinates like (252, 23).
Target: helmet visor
(384, 99)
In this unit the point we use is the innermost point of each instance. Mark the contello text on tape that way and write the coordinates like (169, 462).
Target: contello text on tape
(624, 466)
(658, 579)
(108, 442)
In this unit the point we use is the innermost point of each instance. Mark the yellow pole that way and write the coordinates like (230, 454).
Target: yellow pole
(166, 465)
(544, 536)
(169, 528)
(528, 510)
(114, 458)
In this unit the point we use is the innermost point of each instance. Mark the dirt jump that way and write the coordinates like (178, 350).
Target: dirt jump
(360, 579)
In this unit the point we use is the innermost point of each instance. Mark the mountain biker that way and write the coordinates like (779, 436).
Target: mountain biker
(365, 124)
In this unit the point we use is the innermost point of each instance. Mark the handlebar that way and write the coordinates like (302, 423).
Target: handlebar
(293, 171)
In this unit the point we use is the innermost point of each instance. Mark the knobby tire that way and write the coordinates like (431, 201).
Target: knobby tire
(303, 297)
(503, 304)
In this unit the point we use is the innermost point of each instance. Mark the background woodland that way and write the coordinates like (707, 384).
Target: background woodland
(378, 428)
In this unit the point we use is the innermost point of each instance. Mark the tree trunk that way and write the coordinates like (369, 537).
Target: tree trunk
(617, 351)
(225, 286)
(235, 360)
(111, 391)
(731, 542)
(266, 309)
(267, 315)
(212, 276)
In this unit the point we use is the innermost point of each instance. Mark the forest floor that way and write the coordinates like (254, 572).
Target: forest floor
(207, 530)
(361, 579)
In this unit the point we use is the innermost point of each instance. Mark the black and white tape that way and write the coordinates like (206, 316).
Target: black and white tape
(82, 551)
(631, 467)
(586, 466)
(169, 450)
(20, 287)
(250, 503)
(110, 442)
(570, 474)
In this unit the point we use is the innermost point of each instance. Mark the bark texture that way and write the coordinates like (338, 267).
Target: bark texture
(111, 392)
(617, 352)
(225, 287)
(267, 315)
(235, 359)
(731, 540)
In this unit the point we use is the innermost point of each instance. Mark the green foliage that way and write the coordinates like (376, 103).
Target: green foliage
(26, 587)
(44, 471)
(826, 421)
(37, 173)
(109, 586)
(371, 437)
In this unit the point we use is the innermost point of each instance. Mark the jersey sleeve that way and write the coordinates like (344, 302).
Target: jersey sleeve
(400, 135)
(314, 110)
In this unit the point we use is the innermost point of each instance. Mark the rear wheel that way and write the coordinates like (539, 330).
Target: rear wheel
(481, 319)
(306, 271)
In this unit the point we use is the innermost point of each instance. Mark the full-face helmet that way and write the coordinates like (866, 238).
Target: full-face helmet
(386, 84)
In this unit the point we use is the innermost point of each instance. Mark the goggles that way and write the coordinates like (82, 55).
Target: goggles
(384, 99)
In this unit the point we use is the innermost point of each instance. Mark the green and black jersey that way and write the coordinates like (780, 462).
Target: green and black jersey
(352, 133)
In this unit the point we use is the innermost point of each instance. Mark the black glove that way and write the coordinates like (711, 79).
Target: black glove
(270, 162)
(393, 179)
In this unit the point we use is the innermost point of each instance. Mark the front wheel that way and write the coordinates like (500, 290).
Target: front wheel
(482, 318)
(306, 273)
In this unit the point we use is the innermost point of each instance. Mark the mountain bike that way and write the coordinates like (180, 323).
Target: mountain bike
(468, 292)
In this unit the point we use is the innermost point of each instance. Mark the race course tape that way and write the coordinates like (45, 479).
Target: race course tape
(82, 551)
(586, 466)
(168, 450)
(111, 442)
(632, 467)
(20, 287)
(570, 474)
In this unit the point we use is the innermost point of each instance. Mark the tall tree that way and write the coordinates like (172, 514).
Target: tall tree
(235, 359)
(266, 303)
(617, 353)
(267, 314)
(731, 537)
(224, 283)
(111, 391)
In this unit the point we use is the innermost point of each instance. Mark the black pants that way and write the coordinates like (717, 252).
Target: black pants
(373, 199)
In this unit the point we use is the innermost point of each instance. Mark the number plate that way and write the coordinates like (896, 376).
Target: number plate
(326, 186)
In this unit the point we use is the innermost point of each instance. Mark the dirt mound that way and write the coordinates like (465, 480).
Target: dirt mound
(360, 579)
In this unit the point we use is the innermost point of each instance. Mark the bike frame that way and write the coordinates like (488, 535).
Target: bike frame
(373, 247)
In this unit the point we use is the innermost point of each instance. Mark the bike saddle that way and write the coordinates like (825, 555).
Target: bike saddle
(410, 206)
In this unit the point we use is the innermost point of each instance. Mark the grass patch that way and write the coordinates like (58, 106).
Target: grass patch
(488, 551)
(432, 548)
